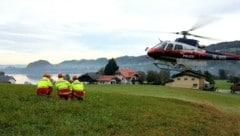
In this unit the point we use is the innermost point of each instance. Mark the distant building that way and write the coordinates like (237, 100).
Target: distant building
(2, 73)
(127, 76)
(6, 79)
(122, 76)
(90, 77)
(107, 79)
(188, 79)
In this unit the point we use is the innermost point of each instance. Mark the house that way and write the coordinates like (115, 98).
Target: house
(127, 76)
(122, 76)
(107, 79)
(187, 79)
(90, 77)
(7, 79)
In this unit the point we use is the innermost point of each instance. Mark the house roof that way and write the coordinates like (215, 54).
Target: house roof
(189, 73)
(126, 72)
(2, 73)
(91, 77)
(6, 79)
(106, 78)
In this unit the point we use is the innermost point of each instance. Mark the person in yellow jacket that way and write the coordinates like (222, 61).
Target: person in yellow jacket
(77, 88)
(63, 88)
(44, 86)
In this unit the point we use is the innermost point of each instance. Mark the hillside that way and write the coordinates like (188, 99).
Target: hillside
(225, 47)
(136, 110)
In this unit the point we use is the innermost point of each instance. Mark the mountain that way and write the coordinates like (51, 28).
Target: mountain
(40, 63)
(231, 66)
(140, 63)
(225, 47)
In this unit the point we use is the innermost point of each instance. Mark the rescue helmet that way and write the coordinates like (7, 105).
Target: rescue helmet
(46, 75)
(74, 78)
(60, 75)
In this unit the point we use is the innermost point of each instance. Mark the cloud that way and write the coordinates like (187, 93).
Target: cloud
(89, 29)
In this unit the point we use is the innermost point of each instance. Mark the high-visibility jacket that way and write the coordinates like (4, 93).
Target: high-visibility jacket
(62, 84)
(44, 83)
(77, 86)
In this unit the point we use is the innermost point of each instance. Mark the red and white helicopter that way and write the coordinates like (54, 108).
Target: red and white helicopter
(176, 55)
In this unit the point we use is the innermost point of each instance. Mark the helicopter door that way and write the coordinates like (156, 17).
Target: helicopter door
(169, 50)
(169, 47)
(177, 50)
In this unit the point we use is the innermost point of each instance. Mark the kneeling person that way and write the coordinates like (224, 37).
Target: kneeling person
(63, 88)
(77, 88)
(44, 86)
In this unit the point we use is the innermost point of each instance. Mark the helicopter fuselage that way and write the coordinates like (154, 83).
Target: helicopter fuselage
(171, 51)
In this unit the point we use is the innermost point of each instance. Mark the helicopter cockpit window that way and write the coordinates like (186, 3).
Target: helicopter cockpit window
(178, 47)
(160, 45)
(169, 47)
(163, 45)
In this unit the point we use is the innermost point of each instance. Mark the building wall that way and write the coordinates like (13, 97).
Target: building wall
(107, 82)
(186, 82)
(201, 83)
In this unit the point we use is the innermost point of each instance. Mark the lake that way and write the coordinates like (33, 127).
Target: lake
(32, 79)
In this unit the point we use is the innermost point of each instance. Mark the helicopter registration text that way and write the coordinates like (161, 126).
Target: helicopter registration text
(221, 57)
(189, 56)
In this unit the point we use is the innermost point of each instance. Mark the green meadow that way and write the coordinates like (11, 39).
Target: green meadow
(223, 84)
(137, 110)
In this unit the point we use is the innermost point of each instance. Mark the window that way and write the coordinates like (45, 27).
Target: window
(193, 79)
(195, 85)
(169, 47)
(178, 78)
(163, 45)
(178, 47)
(185, 78)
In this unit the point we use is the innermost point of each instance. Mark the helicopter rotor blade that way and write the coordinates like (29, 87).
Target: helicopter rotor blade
(204, 22)
(179, 33)
(205, 37)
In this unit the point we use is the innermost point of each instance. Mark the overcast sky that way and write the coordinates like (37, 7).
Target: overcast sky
(58, 30)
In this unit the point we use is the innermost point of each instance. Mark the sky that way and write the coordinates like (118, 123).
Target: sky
(59, 30)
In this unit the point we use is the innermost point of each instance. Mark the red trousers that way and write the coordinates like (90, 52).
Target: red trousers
(65, 93)
(78, 94)
(44, 91)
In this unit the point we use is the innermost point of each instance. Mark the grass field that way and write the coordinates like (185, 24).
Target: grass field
(119, 110)
(223, 84)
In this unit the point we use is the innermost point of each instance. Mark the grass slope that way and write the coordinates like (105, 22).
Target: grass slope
(225, 102)
(118, 110)
(223, 84)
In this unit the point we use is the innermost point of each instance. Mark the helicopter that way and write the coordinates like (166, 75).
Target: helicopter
(174, 55)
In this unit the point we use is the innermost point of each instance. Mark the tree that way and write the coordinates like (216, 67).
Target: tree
(164, 76)
(209, 77)
(101, 71)
(111, 67)
(234, 79)
(153, 77)
(222, 74)
(142, 76)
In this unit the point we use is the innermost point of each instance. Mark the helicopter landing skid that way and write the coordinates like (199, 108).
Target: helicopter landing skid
(169, 66)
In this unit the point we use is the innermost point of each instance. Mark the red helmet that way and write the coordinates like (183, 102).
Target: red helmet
(46, 75)
(74, 78)
(60, 75)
